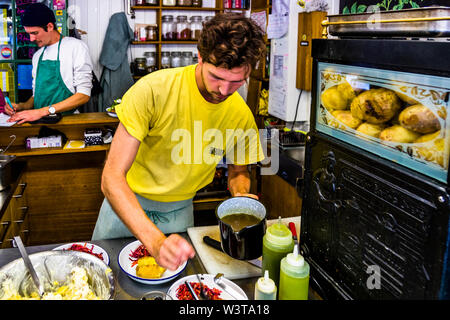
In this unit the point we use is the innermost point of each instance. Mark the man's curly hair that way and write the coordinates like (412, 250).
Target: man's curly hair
(231, 40)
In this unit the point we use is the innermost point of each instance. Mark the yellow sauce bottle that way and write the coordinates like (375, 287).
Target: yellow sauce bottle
(277, 243)
(294, 277)
(265, 288)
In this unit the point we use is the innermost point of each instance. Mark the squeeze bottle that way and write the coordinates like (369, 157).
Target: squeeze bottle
(265, 288)
(294, 277)
(277, 243)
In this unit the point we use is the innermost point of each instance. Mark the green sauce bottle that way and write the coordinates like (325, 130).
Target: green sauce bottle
(277, 243)
(294, 277)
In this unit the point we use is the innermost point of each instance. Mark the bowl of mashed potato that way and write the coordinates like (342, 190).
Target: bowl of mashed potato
(66, 275)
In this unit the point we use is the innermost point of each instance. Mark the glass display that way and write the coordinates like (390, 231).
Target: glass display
(169, 28)
(183, 28)
(399, 116)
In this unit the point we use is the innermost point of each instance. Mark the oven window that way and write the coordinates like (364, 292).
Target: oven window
(399, 116)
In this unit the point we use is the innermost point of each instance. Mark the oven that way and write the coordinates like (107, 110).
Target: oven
(376, 203)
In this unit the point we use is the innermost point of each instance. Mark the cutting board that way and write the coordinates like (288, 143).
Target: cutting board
(215, 261)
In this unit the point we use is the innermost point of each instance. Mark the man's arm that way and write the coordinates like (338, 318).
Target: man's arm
(70, 103)
(239, 181)
(169, 252)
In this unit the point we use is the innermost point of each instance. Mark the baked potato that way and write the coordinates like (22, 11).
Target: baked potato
(397, 133)
(419, 118)
(405, 98)
(345, 116)
(371, 129)
(338, 97)
(432, 149)
(376, 105)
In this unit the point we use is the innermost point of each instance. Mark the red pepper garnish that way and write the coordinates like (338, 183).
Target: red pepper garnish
(184, 294)
(84, 248)
(140, 252)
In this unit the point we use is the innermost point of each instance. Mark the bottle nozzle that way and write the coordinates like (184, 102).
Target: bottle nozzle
(295, 252)
(266, 275)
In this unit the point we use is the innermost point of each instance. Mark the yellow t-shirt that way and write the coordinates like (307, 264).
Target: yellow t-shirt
(183, 137)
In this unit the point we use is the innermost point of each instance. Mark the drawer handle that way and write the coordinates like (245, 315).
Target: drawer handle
(20, 195)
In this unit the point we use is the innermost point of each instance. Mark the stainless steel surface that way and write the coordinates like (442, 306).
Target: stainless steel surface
(6, 170)
(218, 280)
(126, 288)
(54, 266)
(377, 24)
(29, 265)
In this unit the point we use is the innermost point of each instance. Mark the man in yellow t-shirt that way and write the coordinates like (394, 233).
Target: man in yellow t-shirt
(176, 125)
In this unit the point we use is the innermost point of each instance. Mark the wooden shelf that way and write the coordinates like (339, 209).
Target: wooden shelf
(23, 152)
(137, 8)
(165, 42)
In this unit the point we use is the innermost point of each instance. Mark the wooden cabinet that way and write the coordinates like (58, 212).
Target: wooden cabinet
(15, 220)
(63, 186)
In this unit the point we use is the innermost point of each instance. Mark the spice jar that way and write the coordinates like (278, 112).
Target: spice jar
(169, 3)
(152, 33)
(141, 33)
(175, 59)
(186, 58)
(165, 59)
(140, 68)
(183, 28)
(196, 3)
(150, 61)
(139, 3)
(168, 31)
(196, 27)
(184, 3)
(151, 2)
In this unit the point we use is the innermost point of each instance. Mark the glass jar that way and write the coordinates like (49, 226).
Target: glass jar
(152, 33)
(151, 2)
(183, 28)
(197, 3)
(184, 3)
(169, 3)
(165, 59)
(150, 61)
(140, 68)
(139, 3)
(168, 30)
(141, 33)
(186, 58)
(175, 59)
(196, 27)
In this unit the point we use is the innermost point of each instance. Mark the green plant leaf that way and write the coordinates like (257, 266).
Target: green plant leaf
(353, 8)
(414, 5)
(361, 8)
(345, 10)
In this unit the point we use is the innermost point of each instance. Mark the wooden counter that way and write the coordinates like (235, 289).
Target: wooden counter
(63, 185)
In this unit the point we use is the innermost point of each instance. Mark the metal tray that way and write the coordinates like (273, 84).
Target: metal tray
(422, 22)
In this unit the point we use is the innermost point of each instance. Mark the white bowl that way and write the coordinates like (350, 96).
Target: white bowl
(125, 264)
(95, 249)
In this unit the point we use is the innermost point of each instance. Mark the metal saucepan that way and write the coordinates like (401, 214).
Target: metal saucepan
(247, 243)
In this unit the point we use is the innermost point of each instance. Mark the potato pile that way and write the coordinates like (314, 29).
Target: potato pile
(386, 115)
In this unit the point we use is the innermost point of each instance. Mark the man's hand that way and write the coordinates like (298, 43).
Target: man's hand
(10, 111)
(173, 251)
(250, 195)
(28, 115)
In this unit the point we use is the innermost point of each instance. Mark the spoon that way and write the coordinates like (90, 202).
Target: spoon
(218, 280)
(29, 265)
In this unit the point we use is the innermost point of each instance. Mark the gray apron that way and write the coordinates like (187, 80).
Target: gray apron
(169, 217)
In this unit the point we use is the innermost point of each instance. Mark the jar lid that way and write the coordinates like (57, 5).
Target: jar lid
(167, 18)
(196, 18)
(176, 53)
(149, 54)
(181, 18)
(279, 234)
(165, 53)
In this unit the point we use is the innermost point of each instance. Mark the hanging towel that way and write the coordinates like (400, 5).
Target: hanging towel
(116, 77)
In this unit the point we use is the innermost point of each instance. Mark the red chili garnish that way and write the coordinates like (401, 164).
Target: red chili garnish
(184, 294)
(140, 252)
(84, 248)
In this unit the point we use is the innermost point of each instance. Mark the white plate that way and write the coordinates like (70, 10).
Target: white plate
(125, 264)
(96, 249)
(112, 114)
(208, 280)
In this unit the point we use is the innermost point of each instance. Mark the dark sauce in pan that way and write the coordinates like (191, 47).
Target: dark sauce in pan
(238, 221)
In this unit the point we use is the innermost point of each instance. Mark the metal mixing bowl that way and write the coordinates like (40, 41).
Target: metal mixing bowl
(56, 266)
